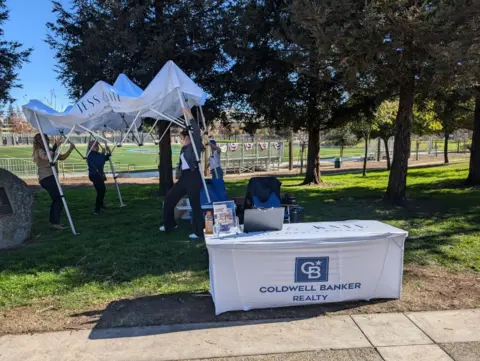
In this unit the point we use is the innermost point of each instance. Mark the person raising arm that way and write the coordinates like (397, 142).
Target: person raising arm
(214, 162)
(96, 162)
(189, 183)
(46, 177)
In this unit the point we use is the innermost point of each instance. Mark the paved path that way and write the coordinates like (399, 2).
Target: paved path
(422, 336)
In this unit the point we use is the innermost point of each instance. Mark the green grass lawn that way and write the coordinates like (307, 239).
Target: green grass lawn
(146, 157)
(122, 254)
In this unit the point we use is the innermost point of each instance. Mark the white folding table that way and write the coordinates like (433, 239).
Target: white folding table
(306, 263)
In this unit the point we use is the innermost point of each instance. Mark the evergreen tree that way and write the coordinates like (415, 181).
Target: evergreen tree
(404, 45)
(275, 78)
(97, 40)
(12, 57)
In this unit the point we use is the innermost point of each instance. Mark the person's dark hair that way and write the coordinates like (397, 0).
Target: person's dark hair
(184, 133)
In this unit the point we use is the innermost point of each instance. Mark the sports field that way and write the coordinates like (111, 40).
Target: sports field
(146, 157)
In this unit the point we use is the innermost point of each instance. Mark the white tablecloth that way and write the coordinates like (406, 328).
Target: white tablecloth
(306, 263)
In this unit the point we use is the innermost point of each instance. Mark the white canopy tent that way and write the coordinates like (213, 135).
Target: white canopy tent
(169, 95)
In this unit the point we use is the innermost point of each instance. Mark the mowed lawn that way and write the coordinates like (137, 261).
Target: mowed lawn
(122, 254)
(147, 156)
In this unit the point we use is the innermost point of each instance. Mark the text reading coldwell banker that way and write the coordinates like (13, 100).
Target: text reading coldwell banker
(310, 270)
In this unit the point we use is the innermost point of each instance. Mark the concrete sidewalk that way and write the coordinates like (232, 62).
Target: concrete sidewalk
(422, 336)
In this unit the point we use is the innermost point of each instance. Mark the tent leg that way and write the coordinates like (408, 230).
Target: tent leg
(115, 177)
(197, 156)
(55, 174)
(203, 118)
(116, 184)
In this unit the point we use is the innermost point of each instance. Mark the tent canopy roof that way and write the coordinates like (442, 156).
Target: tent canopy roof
(116, 106)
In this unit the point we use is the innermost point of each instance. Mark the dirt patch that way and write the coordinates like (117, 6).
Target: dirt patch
(424, 289)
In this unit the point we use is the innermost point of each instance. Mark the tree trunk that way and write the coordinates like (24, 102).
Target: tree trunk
(387, 153)
(165, 155)
(313, 158)
(165, 146)
(206, 155)
(445, 147)
(474, 172)
(364, 173)
(302, 153)
(290, 152)
(379, 150)
(341, 151)
(397, 182)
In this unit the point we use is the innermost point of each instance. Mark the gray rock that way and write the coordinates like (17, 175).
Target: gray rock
(16, 210)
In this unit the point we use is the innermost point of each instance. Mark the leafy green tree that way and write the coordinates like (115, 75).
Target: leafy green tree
(275, 78)
(362, 130)
(12, 58)
(403, 45)
(342, 137)
(447, 112)
(97, 40)
(383, 125)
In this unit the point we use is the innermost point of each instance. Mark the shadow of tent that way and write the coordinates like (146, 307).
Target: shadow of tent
(181, 312)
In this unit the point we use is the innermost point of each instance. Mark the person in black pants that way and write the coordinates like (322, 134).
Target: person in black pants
(96, 163)
(46, 177)
(189, 183)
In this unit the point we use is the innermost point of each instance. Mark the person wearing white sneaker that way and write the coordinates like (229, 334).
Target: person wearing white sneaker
(189, 183)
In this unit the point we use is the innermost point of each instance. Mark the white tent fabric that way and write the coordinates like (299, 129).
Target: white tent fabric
(116, 105)
(116, 121)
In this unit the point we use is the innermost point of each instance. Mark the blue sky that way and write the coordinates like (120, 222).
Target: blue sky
(27, 24)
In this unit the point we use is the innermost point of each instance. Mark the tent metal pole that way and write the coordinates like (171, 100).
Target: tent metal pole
(129, 129)
(168, 117)
(95, 135)
(89, 150)
(114, 174)
(55, 175)
(61, 145)
(192, 140)
(203, 118)
(136, 138)
(165, 132)
(151, 130)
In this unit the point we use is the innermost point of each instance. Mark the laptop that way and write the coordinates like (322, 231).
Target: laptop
(263, 219)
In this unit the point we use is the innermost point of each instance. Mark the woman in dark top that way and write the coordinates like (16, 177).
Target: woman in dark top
(96, 163)
(189, 183)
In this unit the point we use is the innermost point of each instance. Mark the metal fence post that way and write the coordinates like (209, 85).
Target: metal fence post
(242, 162)
(269, 156)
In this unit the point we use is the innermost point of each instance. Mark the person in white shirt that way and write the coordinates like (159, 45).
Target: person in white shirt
(189, 183)
(214, 162)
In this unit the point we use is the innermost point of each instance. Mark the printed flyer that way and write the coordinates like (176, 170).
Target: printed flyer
(224, 215)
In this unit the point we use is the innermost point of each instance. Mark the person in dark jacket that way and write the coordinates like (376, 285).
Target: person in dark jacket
(189, 183)
(96, 163)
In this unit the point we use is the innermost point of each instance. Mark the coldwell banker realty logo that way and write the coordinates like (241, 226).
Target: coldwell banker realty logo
(311, 269)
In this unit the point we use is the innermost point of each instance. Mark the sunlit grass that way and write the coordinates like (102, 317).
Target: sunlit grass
(122, 254)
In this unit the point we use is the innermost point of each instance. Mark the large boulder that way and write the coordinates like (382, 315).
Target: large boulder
(16, 210)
